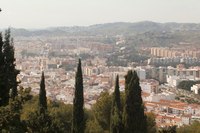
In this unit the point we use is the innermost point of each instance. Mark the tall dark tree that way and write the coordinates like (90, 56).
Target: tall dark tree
(116, 111)
(15, 72)
(9, 71)
(2, 83)
(134, 118)
(1, 52)
(78, 121)
(42, 95)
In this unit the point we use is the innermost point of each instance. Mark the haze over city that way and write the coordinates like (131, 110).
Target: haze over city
(100, 66)
(50, 13)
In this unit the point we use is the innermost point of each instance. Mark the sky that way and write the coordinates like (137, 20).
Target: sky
(50, 13)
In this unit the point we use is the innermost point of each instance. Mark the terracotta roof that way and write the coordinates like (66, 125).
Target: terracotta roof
(145, 94)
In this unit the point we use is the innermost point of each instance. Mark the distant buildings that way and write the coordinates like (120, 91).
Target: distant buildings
(172, 75)
(171, 112)
(149, 86)
(164, 61)
(176, 75)
(172, 52)
(140, 72)
(152, 97)
(56, 57)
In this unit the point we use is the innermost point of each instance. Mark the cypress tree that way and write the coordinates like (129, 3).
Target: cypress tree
(42, 96)
(134, 118)
(2, 83)
(78, 121)
(5, 88)
(116, 118)
(9, 71)
(1, 52)
(15, 72)
(126, 112)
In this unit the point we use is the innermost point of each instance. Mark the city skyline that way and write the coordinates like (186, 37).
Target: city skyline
(43, 14)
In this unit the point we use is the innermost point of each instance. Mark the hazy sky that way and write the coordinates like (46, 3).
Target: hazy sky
(47, 13)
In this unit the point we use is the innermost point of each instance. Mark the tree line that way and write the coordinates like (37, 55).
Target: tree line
(122, 120)
(113, 113)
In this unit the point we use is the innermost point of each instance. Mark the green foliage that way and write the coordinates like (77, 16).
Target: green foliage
(8, 72)
(151, 123)
(171, 129)
(121, 58)
(10, 117)
(42, 95)
(102, 110)
(193, 128)
(186, 85)
(29, 106)
(1, 50)
(134, 118)
(58, 118)
(92, 126)
(24, 94)
(39, 123)
(116, 111)
(2, 83)
(58, 114)
(38, 119)
(6, 53)
(9, 59)
(78, 121)
(61, 115)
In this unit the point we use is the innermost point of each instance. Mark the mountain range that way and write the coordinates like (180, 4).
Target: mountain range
(111, 29)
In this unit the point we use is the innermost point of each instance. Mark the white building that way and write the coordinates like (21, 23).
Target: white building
(140, 72)
(185, 119)
(195, 88)
(157, 97)
(149, 85)
(175, 80)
